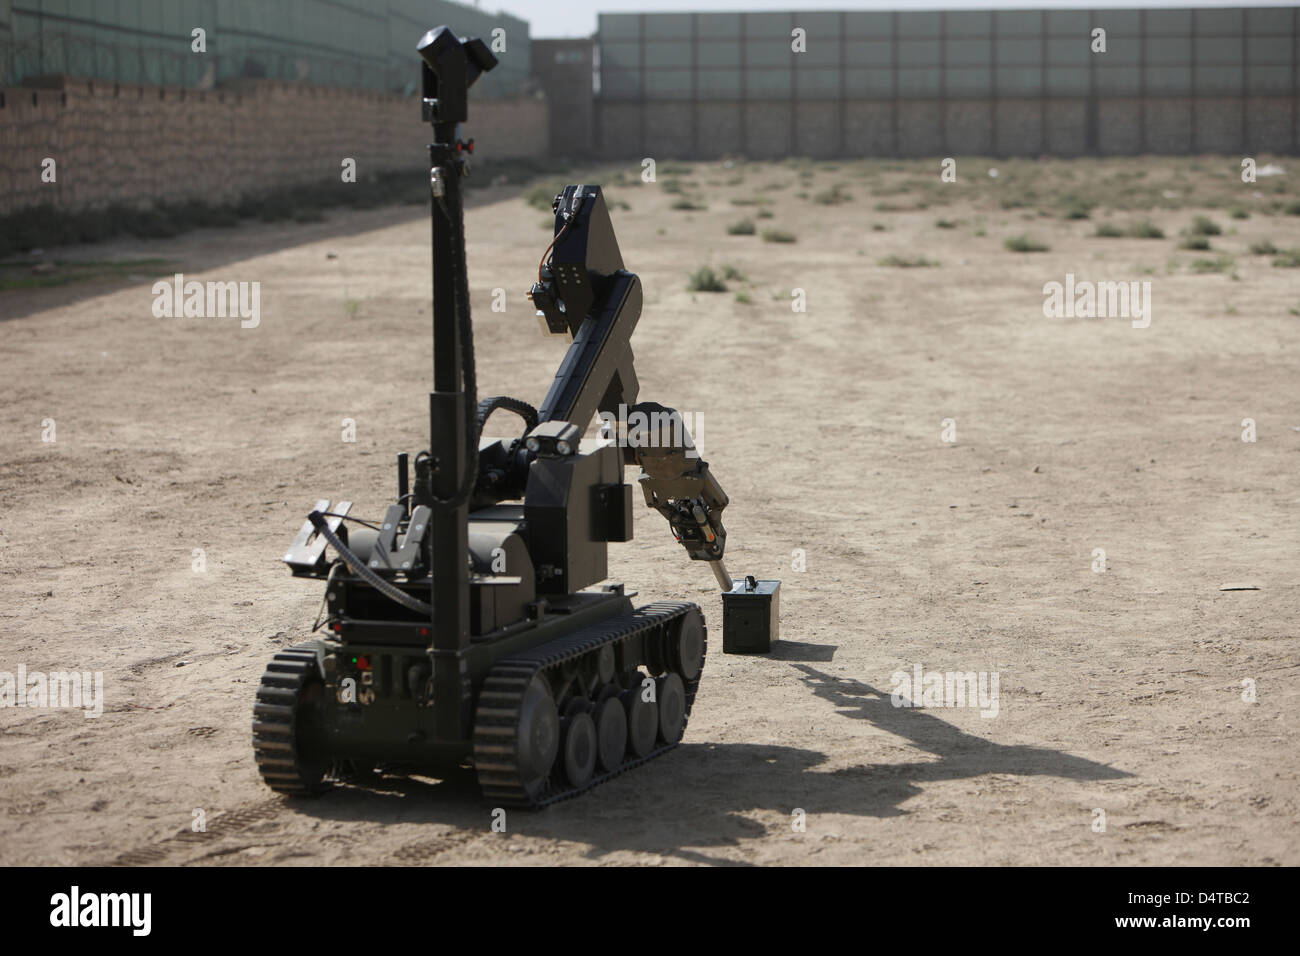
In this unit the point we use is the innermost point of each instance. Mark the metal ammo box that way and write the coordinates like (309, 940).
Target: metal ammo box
(750, 616)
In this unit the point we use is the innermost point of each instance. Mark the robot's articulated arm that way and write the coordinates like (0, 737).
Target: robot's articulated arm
(583, 292)
(677, 483)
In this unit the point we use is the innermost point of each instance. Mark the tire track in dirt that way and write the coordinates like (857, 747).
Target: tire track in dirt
(421, 854)
(235, 822)
(225, 825)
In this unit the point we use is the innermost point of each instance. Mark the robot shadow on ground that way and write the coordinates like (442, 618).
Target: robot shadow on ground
(700, 796)
(961, 754)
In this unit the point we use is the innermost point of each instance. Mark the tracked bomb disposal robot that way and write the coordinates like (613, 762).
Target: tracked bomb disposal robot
(469, 625)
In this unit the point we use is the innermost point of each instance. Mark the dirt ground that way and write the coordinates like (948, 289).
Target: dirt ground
(1120, 690)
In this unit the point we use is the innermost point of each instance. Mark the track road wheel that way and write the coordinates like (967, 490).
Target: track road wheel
(671, 694)
(287, 697)
(642, 721)
(538, 736)
(686, 645)
(611, 732)
(580, 748)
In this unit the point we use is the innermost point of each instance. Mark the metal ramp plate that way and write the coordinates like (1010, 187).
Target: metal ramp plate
(307, 552)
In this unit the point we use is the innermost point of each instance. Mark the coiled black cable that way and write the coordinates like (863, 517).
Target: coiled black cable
(520, 408)
(358, 567)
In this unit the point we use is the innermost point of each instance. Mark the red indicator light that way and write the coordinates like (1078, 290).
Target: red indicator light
(424, 632)
(363, 663)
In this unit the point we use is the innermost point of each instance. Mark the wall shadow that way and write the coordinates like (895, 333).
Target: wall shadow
(203, 250)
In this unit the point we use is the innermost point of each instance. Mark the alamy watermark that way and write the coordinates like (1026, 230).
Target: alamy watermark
(653, 428)
(922, 688)
(208, 300)
(1085, 299)
(57, 689)
(75, 908)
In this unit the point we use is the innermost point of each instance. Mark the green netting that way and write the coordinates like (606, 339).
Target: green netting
(358, 43)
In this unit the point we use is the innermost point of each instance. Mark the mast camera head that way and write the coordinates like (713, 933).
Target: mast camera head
(451, 65)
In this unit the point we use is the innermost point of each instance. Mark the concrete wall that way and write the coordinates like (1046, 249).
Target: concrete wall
(563, 69)
(139, 144)
(927, 127)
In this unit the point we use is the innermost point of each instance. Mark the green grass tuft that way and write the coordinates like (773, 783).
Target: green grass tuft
(1203, 266)
(1205, 226)
(1023, 243)
(704, 279)
(907, 262)
(834, 196)
(1145, 229)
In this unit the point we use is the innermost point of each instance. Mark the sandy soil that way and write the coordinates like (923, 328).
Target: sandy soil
(1121, 691)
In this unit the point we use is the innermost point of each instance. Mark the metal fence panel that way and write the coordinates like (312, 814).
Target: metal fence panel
(868, 53)
(668, 26)
(959, 51)
(720, 26)
(868, 84)
(1169, 52)
(619, 26)
(766, 26)
(1020, 51)
(915, 25)
(968, 23)
(868, 24)
(967, 83)
(667, 54)
(824, 25)
(1150, 55)
(1018, 23)
(1224, 23)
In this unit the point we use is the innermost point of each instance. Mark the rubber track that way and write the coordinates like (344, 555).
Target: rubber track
(497, 713)
(274, 722)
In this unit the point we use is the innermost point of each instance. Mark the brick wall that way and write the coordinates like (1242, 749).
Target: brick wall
(138, 144)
